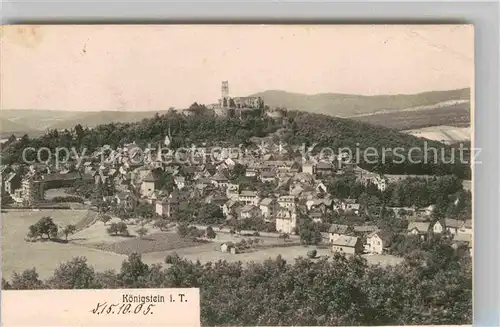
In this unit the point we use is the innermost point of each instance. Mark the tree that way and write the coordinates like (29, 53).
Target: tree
(69, 229)
(310, 233)
(74, 274)
(27, 280)
(133, 270)
(210, 233)
(122, 228)
(312, 254)
(105, 219)
(113, 229)
(182, 230)
(142, 231)
(45, 226)
(6, 199)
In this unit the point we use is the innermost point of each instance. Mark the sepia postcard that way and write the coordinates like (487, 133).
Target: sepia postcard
(242, 175)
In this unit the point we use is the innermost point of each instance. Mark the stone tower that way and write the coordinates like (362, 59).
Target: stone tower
(225, 90)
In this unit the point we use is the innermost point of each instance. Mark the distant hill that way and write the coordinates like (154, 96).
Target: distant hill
(92, 119)
(346, 105)
(8, 127)
(38, 119)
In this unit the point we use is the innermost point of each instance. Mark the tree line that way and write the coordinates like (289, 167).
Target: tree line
(432, 286)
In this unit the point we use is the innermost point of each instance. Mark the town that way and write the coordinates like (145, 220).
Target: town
(259, 201)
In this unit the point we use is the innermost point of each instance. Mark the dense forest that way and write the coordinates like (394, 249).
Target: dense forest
(432, 286)
(203, 128)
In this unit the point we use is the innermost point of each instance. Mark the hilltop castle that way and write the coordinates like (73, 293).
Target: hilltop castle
(236, 105)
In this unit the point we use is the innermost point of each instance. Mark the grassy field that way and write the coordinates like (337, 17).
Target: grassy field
(106, 252)
(445, 134)
(18, 255)
(211, 252)
(455, 115)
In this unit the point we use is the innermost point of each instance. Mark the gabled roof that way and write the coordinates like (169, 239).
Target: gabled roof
(248, 193)
(365, 229)
(462, 237)
(338, 229)
(268, 174)
(266, 201)
(149, 178)
(324, 165)
(344, 240)
(453, 223)
(383, 235)
(421, 227)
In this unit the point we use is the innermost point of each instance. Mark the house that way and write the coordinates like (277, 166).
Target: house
(316, 216)
(466, 227)
(462, 239)
(336, 231)
(122, 199)
(286, 221)
(452, 225)
(11, 183)
(251, 172)
(219, 200)
(180, 182)
(149, 184)
(219, 180)
(229, 207)
(378, 241)
(230, 163)
(418, 228)
(308, 168)
(32, 189)
(365, 229)
(267, 176)
(268, 207)
(347, 244)
(248, 211)
(167, 207)
(227, 246)
(249, 197)
(324, 169)
(286, 201)
(321, 188)
(232, 191)
(438, 227)
(380, 182)
(350, 205)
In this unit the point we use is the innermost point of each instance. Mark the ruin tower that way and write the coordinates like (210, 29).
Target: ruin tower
(225, 90)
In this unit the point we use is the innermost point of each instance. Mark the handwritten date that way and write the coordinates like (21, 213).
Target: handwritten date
(123, 308)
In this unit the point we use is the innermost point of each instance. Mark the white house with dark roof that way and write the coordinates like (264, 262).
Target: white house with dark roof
(286, 220)
(378, 241)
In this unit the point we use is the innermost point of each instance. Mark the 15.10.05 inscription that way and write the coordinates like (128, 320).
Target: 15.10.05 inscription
(135, 304)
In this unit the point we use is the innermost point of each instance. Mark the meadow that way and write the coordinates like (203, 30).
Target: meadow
(108, 252)
(18, 255)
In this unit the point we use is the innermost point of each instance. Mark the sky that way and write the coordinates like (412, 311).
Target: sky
(148, 67)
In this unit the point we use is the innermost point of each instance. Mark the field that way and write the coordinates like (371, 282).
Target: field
(18, 255)
(108, 252)
(445, 134)
(210, 252)
(456, 115)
